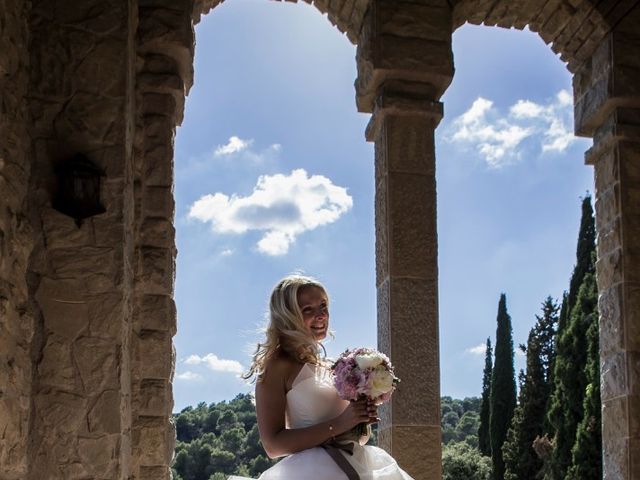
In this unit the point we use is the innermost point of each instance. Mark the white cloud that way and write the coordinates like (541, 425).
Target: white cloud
(189, 376)
(499, 139)
(227, 252)
(213, 362)
(479, 349)
(234, 145)
(283, 206)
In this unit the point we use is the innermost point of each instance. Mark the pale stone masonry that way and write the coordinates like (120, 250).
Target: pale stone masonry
(87, 314)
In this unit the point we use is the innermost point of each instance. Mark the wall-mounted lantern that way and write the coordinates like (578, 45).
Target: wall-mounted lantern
(78, 189)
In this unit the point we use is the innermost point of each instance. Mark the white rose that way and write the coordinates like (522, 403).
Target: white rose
(368, 360)
(380, 382)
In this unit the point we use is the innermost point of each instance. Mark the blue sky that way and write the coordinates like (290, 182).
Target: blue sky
(273, 175)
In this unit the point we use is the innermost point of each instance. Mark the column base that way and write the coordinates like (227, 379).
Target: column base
(416, 448)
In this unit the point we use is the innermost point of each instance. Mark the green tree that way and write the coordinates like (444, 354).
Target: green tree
(503, 388)
(587, 450)
(569, 376)
(463, 462)
(521, 461)
(484, 441)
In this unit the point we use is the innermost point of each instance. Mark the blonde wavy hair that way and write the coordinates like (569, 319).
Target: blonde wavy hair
(285, 330)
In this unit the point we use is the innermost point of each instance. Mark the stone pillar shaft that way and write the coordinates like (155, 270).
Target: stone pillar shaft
(406, 277)
(405, 64)
(616, 157)
(607, 107)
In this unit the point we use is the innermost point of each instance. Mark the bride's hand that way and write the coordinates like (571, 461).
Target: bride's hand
(359, 411)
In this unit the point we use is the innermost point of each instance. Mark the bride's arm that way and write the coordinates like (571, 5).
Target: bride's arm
(276, 439)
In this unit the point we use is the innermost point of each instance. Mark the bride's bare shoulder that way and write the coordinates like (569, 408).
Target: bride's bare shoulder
(281, 369)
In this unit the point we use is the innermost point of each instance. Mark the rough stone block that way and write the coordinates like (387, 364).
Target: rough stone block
(634, 411)
(609, 268)
(104, 416)
(107, 315)
(155, 473)
(384, 318)
(613, 381)
(63, 306)
(158, 129)
(100, 455)
(161, 64)
(97, 267)
(101, 18)
(157, 232)
(61, 412)
(610, 304)
(417, 450)
(56, 368)
(615, 459)
(153, 398)
(60, 230)
(158, 165)
(609, 236)
(13, 448)
(155, 312)
(103, 72)
(165, 26)
(150, 440)
(98, 120)
(414, 20)
(154, 355)
(158, 202)
(632, 316)
(410, 144)
(412, 226)
(633, 372)
(158, 104)
(98, 362)
(414, 55)
(415, 351)
(156, 270)
(382, 228)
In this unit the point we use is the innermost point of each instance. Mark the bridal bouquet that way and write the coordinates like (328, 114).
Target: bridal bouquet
(364, 372)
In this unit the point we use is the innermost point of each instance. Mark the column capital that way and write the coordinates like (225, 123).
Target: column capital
(622, 124)
(404, 40)
(403, 98)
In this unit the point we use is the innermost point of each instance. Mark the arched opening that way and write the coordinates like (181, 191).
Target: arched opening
(279, 101)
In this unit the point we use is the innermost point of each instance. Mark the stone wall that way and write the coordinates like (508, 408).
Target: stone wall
(87, 314)
(16, 322)
(80, 279)
(572, 28)
(164, 73)
(347, 15)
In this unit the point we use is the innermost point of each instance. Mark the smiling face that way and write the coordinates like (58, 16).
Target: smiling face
(314, 305)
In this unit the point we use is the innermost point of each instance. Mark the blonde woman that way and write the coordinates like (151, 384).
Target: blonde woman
(300, 415)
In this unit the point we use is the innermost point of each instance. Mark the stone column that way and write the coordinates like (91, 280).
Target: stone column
(607, 92)
(16, 319)
(80, 278)
(404, 66)
(165, 48)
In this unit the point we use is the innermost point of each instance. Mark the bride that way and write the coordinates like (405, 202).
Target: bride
(300, 415)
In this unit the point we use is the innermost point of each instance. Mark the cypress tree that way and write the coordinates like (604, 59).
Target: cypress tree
(566, 404)
(587, 450)
(521, 461)
(484, 441)
(503, 388)
(529, 418)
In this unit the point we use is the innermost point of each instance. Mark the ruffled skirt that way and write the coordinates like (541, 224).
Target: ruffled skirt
(371, 463)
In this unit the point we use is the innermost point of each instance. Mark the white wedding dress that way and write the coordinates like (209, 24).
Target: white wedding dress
(313, 399)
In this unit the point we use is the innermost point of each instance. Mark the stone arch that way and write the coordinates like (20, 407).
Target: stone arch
(405, 64)
(573, 29)
(87, 315)
(346, 15)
